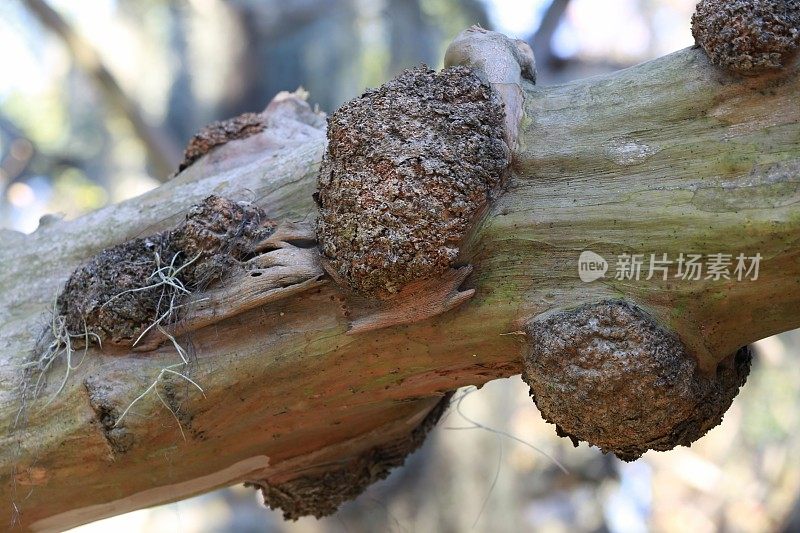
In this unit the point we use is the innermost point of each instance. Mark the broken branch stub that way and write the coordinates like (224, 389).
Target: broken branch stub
(507, 64)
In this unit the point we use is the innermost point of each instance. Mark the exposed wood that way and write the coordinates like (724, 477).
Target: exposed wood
(416, 302)
(671, 156)
(271, 276)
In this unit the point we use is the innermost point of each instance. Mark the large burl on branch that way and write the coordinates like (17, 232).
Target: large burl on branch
(293, 310)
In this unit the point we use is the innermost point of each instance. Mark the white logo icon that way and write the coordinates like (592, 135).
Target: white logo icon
(591, 266)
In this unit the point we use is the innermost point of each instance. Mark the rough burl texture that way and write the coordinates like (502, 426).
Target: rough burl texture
(609, 375)
(407, 167)
(219, 133)
(217, 234)
(323, 494)
(108, 295)
(748, 36)
(86, 300)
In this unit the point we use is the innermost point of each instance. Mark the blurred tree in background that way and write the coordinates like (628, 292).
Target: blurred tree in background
(97, 96)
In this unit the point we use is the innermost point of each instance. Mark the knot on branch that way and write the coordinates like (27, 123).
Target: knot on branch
(407, 168)
(610, 375)
(748, 36)
(125, 288)
(219, 133)
(321, 494)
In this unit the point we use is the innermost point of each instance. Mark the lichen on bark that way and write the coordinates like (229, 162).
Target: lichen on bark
(407, 168)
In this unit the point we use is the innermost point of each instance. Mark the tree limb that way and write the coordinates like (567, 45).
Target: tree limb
(672, 156)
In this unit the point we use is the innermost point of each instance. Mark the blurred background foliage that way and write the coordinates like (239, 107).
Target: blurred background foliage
(97, 97)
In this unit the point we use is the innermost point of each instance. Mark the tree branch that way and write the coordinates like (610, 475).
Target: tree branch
(672, 156)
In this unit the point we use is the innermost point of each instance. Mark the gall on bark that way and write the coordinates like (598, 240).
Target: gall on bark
(322, 494)
(123, 289)
(219, 133)
(748, 36)
(610, 375)
(408, 167)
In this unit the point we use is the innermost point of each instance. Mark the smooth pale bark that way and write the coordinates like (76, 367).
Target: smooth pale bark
(667, 157)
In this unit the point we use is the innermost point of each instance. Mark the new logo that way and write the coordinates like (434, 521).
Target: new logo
(591, 266)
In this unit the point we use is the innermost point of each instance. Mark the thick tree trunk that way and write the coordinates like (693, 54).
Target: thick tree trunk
(673, 156)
